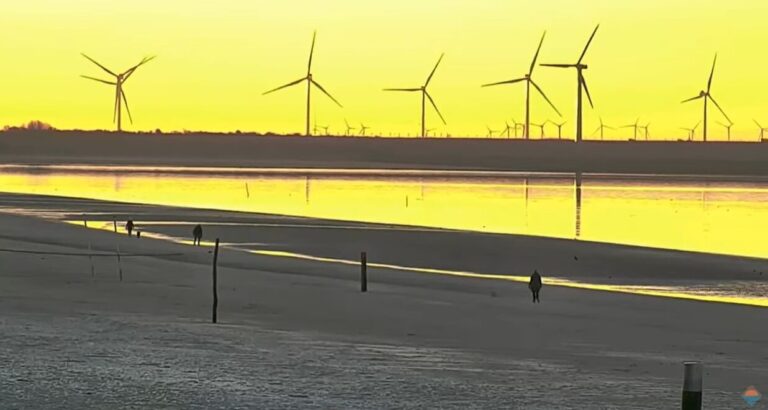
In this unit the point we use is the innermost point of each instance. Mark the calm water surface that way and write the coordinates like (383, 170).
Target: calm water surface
(716, 217)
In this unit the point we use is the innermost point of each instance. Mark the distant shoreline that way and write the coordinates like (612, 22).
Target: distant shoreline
(371, 155)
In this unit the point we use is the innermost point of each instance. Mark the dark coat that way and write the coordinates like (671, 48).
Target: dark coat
(197, 232)
(535, 283)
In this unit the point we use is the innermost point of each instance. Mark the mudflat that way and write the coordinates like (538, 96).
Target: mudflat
(298, 333)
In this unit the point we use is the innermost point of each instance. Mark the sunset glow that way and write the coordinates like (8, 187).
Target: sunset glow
(215, 59)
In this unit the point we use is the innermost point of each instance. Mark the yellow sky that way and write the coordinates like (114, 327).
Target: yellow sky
(215, 58)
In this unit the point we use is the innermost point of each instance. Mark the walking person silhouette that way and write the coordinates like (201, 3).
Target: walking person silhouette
(535, 286)
(197, 235)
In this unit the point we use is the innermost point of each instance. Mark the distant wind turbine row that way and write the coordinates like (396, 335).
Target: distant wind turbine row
(582, 89)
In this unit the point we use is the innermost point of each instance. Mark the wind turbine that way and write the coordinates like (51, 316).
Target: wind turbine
(602, 129)
(325, 129)
(729, 126)
(518, 125)
(636, 126)
(762, 130)
(120, 79)
(582, 83)
(363, 128)
(707, 96)
(349, 128)
(541, 127)
(691, 131)
(424, 97)
(428, 131)
(645, 129)
(507, 129)
(491, 132)
(310, 82)
(559, 128)
(528, 78)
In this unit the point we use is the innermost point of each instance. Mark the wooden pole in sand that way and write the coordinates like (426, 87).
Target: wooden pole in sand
(215, 279)
(363, 272)
(692, 383)
(114, 224)
(90, 259)
(119, 264)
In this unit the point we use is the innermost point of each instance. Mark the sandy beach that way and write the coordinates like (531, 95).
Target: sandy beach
(298, 333)
(270, 151)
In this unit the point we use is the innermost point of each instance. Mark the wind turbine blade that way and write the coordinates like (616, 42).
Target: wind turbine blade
(517, 80)
(97, 63)
(128, 73)
(596, 131)
(536, 56)
(697, 125)
(434, 69)
(719, 108)
(128, 109)
(545, 97)
(758, 124)
(711, 74)
(583, 53)
(429, 97)
(403, 89)
(586, 89)
(608, 127)
(692, 99)
(558, 65)
(326, 92)
(99, 80)
(285, 86)
(311, 53)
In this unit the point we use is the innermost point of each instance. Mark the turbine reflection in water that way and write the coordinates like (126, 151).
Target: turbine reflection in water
(716, 217)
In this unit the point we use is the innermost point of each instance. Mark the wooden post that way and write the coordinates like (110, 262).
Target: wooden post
(85, 222)
(215, 279)
(90, 259)
(114, 224)
(119, 264)
(692, 383)
(247, 191)
(363, 272)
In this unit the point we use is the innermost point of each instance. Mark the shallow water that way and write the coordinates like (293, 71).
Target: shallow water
(683, 214)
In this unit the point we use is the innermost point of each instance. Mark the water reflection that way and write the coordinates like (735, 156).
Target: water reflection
(717, 217)
(577, 232)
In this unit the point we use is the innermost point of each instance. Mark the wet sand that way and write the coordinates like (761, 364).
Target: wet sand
(298, 333)
(230, 150)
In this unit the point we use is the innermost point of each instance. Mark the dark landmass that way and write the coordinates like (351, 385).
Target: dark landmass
(32, 147)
